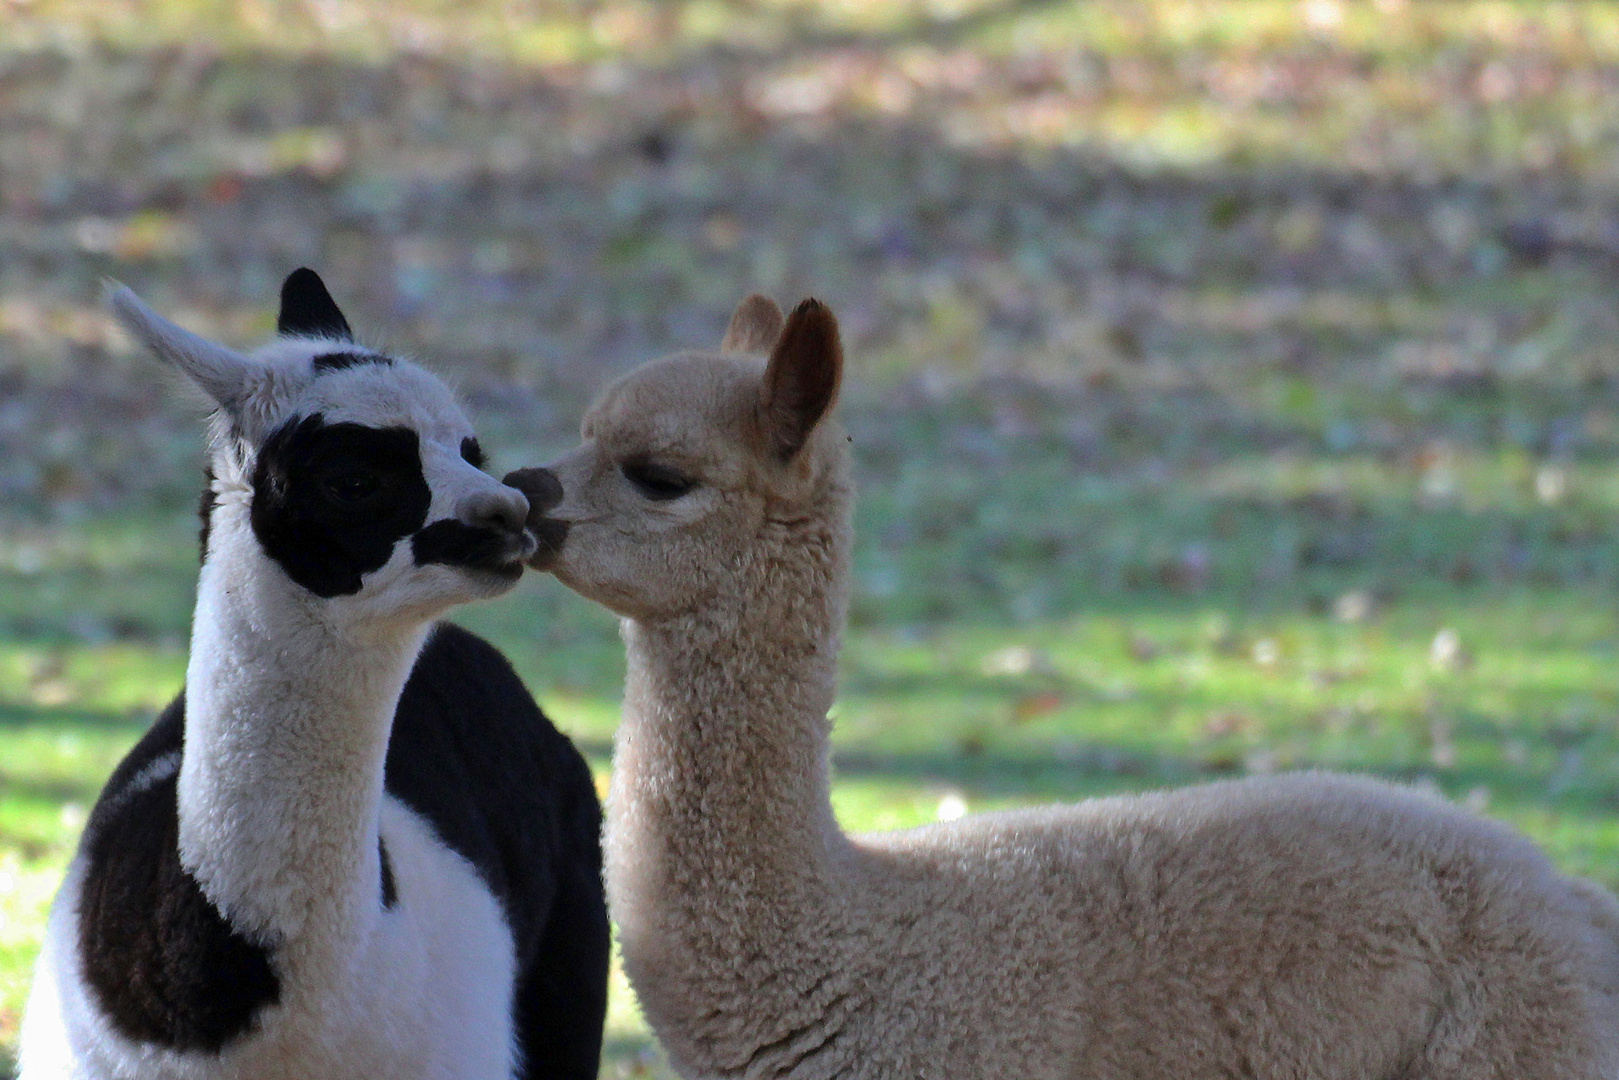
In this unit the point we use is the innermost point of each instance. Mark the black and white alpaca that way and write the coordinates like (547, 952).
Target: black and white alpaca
(270, 885)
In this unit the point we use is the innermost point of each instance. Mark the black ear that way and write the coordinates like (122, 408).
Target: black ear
(308, 310)
(801, 380)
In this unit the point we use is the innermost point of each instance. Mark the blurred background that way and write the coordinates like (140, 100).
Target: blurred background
(1234, 385)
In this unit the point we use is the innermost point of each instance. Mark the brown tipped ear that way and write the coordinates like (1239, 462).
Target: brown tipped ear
(755, 326)
(801, 380)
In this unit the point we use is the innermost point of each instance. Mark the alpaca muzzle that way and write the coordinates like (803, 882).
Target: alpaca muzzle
(544, 492)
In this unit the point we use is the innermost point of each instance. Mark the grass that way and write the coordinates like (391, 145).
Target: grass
(1233, 386)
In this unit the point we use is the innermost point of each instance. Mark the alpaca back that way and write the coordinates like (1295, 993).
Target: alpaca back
(1282, 912)
(473, 754)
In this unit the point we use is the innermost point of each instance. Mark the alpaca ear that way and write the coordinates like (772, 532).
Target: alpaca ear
(755, 325)
(224, 374)
(308, 310)
(801, 380)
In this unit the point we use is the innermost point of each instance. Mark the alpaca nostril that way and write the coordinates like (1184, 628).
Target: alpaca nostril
(500, 511)
(542, 487)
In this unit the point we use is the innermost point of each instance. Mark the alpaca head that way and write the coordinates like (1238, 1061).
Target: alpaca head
(353, 474)
(698, 469)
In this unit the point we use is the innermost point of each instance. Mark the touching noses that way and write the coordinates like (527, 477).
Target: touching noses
(500, 509)
(542, 487)
(544, 493)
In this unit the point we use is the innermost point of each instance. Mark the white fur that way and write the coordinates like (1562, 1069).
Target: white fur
(428, 998)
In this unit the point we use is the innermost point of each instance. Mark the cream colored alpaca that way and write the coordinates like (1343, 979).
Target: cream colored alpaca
(1304, 927)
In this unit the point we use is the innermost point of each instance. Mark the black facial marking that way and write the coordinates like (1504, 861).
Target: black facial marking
(330, 501)
(471, 452)
(390, 891)
(308, 310)
(161, 961)
(337, 361)
(453, 544)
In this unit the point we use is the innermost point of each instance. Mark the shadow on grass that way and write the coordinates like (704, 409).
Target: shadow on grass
(32, 848)
(657, 125)
(806, 34)
(19, 715)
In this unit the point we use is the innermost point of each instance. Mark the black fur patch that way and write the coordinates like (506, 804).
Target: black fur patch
(330, 501)
(474, 755)
(471, 452)
(160, 959)
(390, 890)
(308, 310)
(337, 361)
(205, 511)
(453, 544)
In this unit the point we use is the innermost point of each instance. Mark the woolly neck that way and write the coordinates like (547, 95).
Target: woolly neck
(709, 733)
(720, 812)
(286, 731)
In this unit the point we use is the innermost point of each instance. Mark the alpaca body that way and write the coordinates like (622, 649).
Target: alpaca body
(1307, 926)
(354, 847)
(474, 888)
(1303, 926)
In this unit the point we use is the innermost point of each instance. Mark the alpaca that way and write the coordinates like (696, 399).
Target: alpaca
(353, 846)
(1299, 926)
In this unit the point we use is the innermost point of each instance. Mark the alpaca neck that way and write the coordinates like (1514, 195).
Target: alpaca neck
(721, 778)
(287, 725)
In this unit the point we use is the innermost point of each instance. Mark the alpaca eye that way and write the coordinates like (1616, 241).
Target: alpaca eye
(657, 482)
(352, 487)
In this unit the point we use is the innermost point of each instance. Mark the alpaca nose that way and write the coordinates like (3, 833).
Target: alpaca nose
(542, 487)
(502, 510)
(544, 493)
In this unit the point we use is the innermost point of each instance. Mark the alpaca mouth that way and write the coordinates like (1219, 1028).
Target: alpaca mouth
(548, 535)
(467, 547)
(544, 493)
